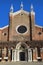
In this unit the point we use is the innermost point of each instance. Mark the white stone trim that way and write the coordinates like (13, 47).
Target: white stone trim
(0, 58)
(21, 33)
(4, 27)
(35, 60)
(29, 55)
(5, 57)
(21, 43)
(38, 26)
(15, 13)
(38, 57)
(32, 12)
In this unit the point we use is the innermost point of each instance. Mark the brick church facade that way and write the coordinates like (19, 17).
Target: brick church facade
(21, 40)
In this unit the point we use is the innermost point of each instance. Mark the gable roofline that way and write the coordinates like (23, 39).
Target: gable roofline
(4, 27)
(15, 13)
(38, 26)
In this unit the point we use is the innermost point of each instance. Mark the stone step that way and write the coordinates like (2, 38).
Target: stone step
(21, 63)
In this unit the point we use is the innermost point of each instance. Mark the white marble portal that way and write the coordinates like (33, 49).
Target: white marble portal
(22, 48)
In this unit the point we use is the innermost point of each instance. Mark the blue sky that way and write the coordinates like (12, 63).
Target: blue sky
(5, 10)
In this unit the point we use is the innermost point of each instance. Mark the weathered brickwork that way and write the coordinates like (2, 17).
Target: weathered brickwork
(15, 39)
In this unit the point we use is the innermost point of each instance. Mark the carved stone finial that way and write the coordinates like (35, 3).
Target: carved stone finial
(11, 9)
(21, 5)
(31, 7)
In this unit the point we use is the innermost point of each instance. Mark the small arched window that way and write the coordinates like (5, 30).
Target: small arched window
(4, 33)
(39, 33)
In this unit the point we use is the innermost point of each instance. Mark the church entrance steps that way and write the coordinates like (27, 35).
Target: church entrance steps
(21, 63)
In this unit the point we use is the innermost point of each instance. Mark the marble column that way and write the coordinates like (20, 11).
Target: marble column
(15, 58)
(9, 54)
(12, 55)
(29, 55)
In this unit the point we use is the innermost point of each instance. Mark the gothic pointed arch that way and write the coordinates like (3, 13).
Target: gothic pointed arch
(21, 44)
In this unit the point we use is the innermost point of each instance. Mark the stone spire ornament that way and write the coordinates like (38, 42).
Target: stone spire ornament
(31, 7)
(32, 10)
(11, 9)
(21, 6)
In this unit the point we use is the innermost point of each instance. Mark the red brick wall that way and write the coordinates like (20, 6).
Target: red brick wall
(36, 33)
(4, 34)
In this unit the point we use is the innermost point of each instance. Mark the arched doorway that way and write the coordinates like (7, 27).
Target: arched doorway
(22, 56)
(21, 52)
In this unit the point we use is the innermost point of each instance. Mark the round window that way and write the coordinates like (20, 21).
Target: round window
(22, 29)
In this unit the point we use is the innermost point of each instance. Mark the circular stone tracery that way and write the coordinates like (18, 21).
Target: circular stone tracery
(22, 29)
